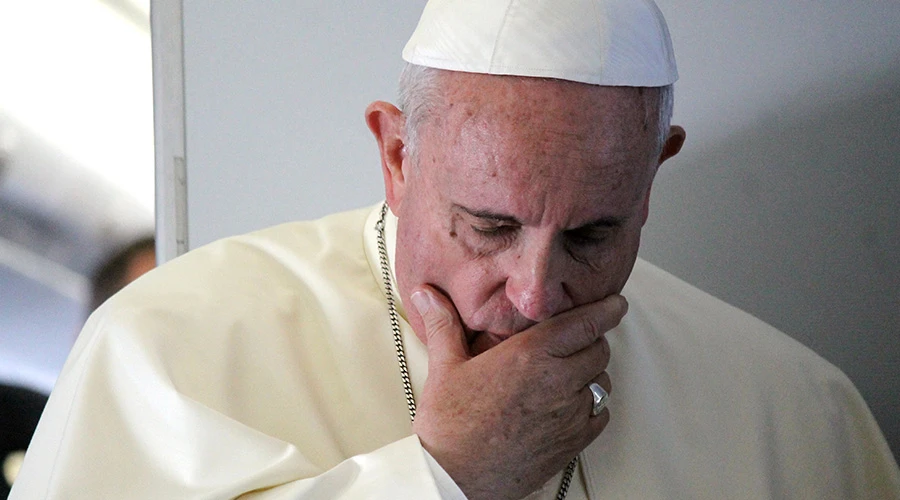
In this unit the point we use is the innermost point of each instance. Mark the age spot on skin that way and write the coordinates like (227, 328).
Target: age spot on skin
(451, 230)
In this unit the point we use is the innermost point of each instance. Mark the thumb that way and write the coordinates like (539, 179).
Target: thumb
(444, 334)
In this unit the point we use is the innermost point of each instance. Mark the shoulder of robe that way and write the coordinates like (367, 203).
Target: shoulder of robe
(224, 371)
(265, 267)
(733, 382)
(729, 337)
(242, 300)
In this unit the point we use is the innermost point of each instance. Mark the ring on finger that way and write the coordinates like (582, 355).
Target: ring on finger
(601, 398)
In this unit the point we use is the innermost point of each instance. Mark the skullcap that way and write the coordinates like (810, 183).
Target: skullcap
(602, 42)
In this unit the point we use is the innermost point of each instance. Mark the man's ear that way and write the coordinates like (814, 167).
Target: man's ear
(387, 124)
(673, 143)
(671, 148)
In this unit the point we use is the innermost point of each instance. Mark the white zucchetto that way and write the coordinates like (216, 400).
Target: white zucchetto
(602, 42)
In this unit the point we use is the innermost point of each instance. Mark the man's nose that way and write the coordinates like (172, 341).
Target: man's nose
(535, 283)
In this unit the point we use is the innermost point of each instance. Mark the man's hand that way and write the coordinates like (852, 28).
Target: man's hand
(504, 422)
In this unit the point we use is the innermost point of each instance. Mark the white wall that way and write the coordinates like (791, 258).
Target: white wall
(784, 201)
(274, 97)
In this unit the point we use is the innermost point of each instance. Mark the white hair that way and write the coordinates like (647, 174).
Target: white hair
(419, 93)
(665, 105)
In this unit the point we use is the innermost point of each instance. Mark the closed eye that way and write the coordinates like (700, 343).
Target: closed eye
(586, 237)
(494, 230)
(496, 234)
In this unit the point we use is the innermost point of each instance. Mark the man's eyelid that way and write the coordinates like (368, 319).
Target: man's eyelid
(590, 231)
(599, 226)
(488, 223)
(594, 233)
(493, 226)
(489, 217)
(496, 223)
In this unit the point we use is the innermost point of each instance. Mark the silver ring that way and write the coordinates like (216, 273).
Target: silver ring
(601, 397)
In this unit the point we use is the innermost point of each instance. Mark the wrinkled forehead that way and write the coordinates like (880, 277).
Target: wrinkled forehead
(604, 120)
(522, 141)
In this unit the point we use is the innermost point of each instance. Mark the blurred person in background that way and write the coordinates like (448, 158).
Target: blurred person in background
(121, 268)
(21, 407)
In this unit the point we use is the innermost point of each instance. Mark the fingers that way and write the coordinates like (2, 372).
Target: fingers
(446, 339)
(604, 381)
(581, 327)
(587, 364)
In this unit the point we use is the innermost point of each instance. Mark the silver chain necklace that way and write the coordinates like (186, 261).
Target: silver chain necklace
(401, 354)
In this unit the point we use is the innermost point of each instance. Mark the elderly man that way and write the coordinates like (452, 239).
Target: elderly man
(464, 338)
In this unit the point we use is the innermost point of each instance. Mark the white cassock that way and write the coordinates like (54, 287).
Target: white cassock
(264, 366)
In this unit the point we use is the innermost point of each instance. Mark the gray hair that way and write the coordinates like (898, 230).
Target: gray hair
(419, 94)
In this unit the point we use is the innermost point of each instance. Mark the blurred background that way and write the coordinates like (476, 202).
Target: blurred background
(76, 166)
(76, 183)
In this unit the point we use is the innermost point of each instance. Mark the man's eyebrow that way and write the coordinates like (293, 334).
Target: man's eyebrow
(488, 215)
(607, 222)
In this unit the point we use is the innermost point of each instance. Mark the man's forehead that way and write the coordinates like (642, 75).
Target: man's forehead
(519, 148)
(541, 108)
(479, 93)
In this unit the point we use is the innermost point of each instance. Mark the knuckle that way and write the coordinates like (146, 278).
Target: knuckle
(589, 328)
(603, 361)
(605, 382)
(439, 321)
(524, 358)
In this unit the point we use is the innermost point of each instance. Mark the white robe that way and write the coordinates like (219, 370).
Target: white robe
(263, 365)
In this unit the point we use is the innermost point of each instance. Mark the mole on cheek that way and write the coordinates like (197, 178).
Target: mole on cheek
(452, 233)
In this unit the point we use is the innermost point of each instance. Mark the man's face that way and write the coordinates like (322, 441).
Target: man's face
(526, 199)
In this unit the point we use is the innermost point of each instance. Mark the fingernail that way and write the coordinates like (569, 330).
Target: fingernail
(422, 302)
